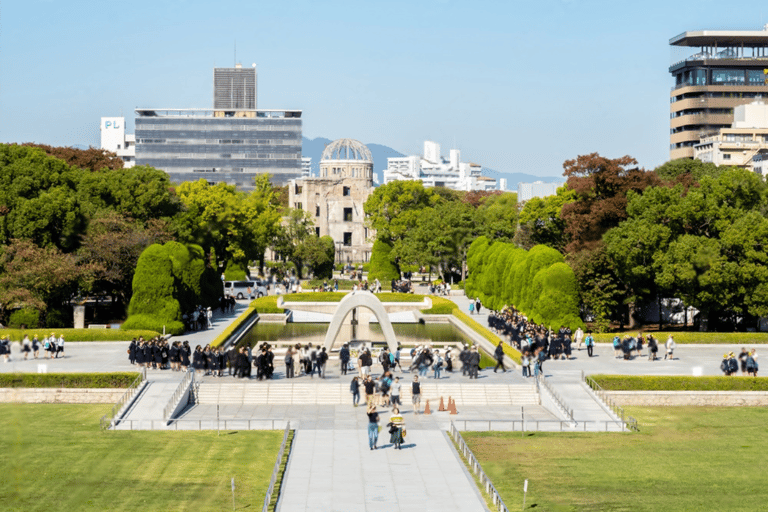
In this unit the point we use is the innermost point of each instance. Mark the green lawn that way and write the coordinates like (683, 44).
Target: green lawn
(684, 458)
(54, 457)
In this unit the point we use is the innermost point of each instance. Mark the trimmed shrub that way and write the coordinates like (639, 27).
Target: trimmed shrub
(344, 284)
(153, 323)
(80, 334)
(703, 338)
(67, 380)
(440, 306)
(382, 265)
(267, 304)
(680, 383)
(557, 292)
(485, 333)
(234, 272)
(28, 317)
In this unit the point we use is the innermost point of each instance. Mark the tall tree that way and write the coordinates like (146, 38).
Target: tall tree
(600, 185)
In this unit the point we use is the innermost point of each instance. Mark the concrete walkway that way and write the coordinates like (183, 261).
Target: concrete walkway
(334, 470)
(148, 408)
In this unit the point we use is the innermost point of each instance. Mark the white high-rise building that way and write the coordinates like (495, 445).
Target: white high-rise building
(527, 191)
(114, 139)
(435, 171)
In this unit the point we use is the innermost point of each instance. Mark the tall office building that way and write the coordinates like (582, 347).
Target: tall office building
(234, 88)
(722, 69)
(231, 143)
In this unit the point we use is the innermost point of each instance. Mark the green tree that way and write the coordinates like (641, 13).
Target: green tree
(382, 265)
(293, 240)
(497, 216)
(541, 221)
(394, 209)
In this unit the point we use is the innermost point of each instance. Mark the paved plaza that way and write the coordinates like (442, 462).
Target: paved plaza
(331, 467)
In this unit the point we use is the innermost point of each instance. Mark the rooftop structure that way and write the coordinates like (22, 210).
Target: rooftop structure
(234, 88)
(527, 191)
(722, 69)
(114, 139)
(435, 171)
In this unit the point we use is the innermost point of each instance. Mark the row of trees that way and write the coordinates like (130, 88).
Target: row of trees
(74, 222)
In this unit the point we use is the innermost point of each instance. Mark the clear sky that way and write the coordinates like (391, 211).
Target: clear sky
(519, 86)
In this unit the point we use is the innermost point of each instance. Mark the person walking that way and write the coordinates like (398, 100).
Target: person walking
(752, 365)
(344, 358)
(322, 358)
(438, 366)
(60, 346)
(396, 428)
(416, 394)
(370, 390)
(394, 392)
(478, 305)
(373, 426)
(589, 341)
(474, 363)
(670, 348)
(499, 353)
(289, 363)
(472, 307)
(354, 388)
(578, 337)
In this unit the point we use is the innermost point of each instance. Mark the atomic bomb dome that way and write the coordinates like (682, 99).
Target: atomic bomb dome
(347, 158)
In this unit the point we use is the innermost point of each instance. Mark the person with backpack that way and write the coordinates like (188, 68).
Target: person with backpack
(724, 365)
(589, 341)
(653, 348)
(752, 363)
(344, 358)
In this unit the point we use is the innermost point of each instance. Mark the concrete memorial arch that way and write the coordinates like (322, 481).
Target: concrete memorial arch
(360, 299)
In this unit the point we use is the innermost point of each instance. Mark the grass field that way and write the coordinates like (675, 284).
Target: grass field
(54, 457)
(682, 459)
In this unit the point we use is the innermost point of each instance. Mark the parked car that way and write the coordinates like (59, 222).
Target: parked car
(245, 289)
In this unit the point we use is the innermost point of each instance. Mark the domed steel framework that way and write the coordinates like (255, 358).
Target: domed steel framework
(347, 149)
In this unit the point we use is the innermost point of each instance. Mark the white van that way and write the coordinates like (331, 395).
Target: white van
(244, 289)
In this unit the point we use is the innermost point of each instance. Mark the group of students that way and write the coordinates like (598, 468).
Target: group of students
(306, 360)
(747, 361)
(159, 355)
(629, 347)
(51, 345)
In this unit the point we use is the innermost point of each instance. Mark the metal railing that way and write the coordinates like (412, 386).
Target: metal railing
(540, 425)
(182, 424)
(276, 470)
(108, 419)
(541, 381)
(477, 469)
(184, 386)
(617, 410)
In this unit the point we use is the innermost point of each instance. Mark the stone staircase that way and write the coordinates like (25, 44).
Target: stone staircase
(330, 393)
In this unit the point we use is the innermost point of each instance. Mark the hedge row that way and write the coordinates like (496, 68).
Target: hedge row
(680, 383)
(704, 338)
(267, 304)
(440, 306)
(537, 282)
(231, 328)
(67, 380)
(337, 296)
(512, 352)
(79, 334)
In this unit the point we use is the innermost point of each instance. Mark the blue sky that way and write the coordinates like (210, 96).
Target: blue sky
(519, 86)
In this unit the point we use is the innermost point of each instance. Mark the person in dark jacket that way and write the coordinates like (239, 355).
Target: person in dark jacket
(344, 358)
(474, 363)
(322, 358)
(499, 354)
(184, 352)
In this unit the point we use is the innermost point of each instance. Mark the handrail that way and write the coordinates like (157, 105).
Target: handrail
(276, 469)
(205, 424)
(189, 379)
(108, 420)
(478, 470)
(602, 395)
(559, 401)
(528, 425)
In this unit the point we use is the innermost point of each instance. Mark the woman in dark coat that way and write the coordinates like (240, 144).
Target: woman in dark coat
(198, 360)
(158, 355)
(173, 355)
(147, 354)
(213, 362)
(132, 351)
(185, 352)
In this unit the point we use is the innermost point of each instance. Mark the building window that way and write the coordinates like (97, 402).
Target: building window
(347, 239)
(298, 206)
(726, 156)
(297, 189)
(347, 214)
(317, 210)
(345, 191)
(317, 231)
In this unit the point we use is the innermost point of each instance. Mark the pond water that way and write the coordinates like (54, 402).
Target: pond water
(407, 334)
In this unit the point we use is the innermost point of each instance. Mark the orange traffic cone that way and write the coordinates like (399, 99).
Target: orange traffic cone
(426, 409)
(452, 406)
(442, 405)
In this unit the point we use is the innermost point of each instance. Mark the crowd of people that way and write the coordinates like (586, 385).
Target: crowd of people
(747, 361)
(52, 346)
(199, 318)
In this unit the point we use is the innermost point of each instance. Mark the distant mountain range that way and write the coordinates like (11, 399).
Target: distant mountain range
(314, 148)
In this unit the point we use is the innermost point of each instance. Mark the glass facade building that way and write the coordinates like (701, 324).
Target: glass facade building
(220, 146)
